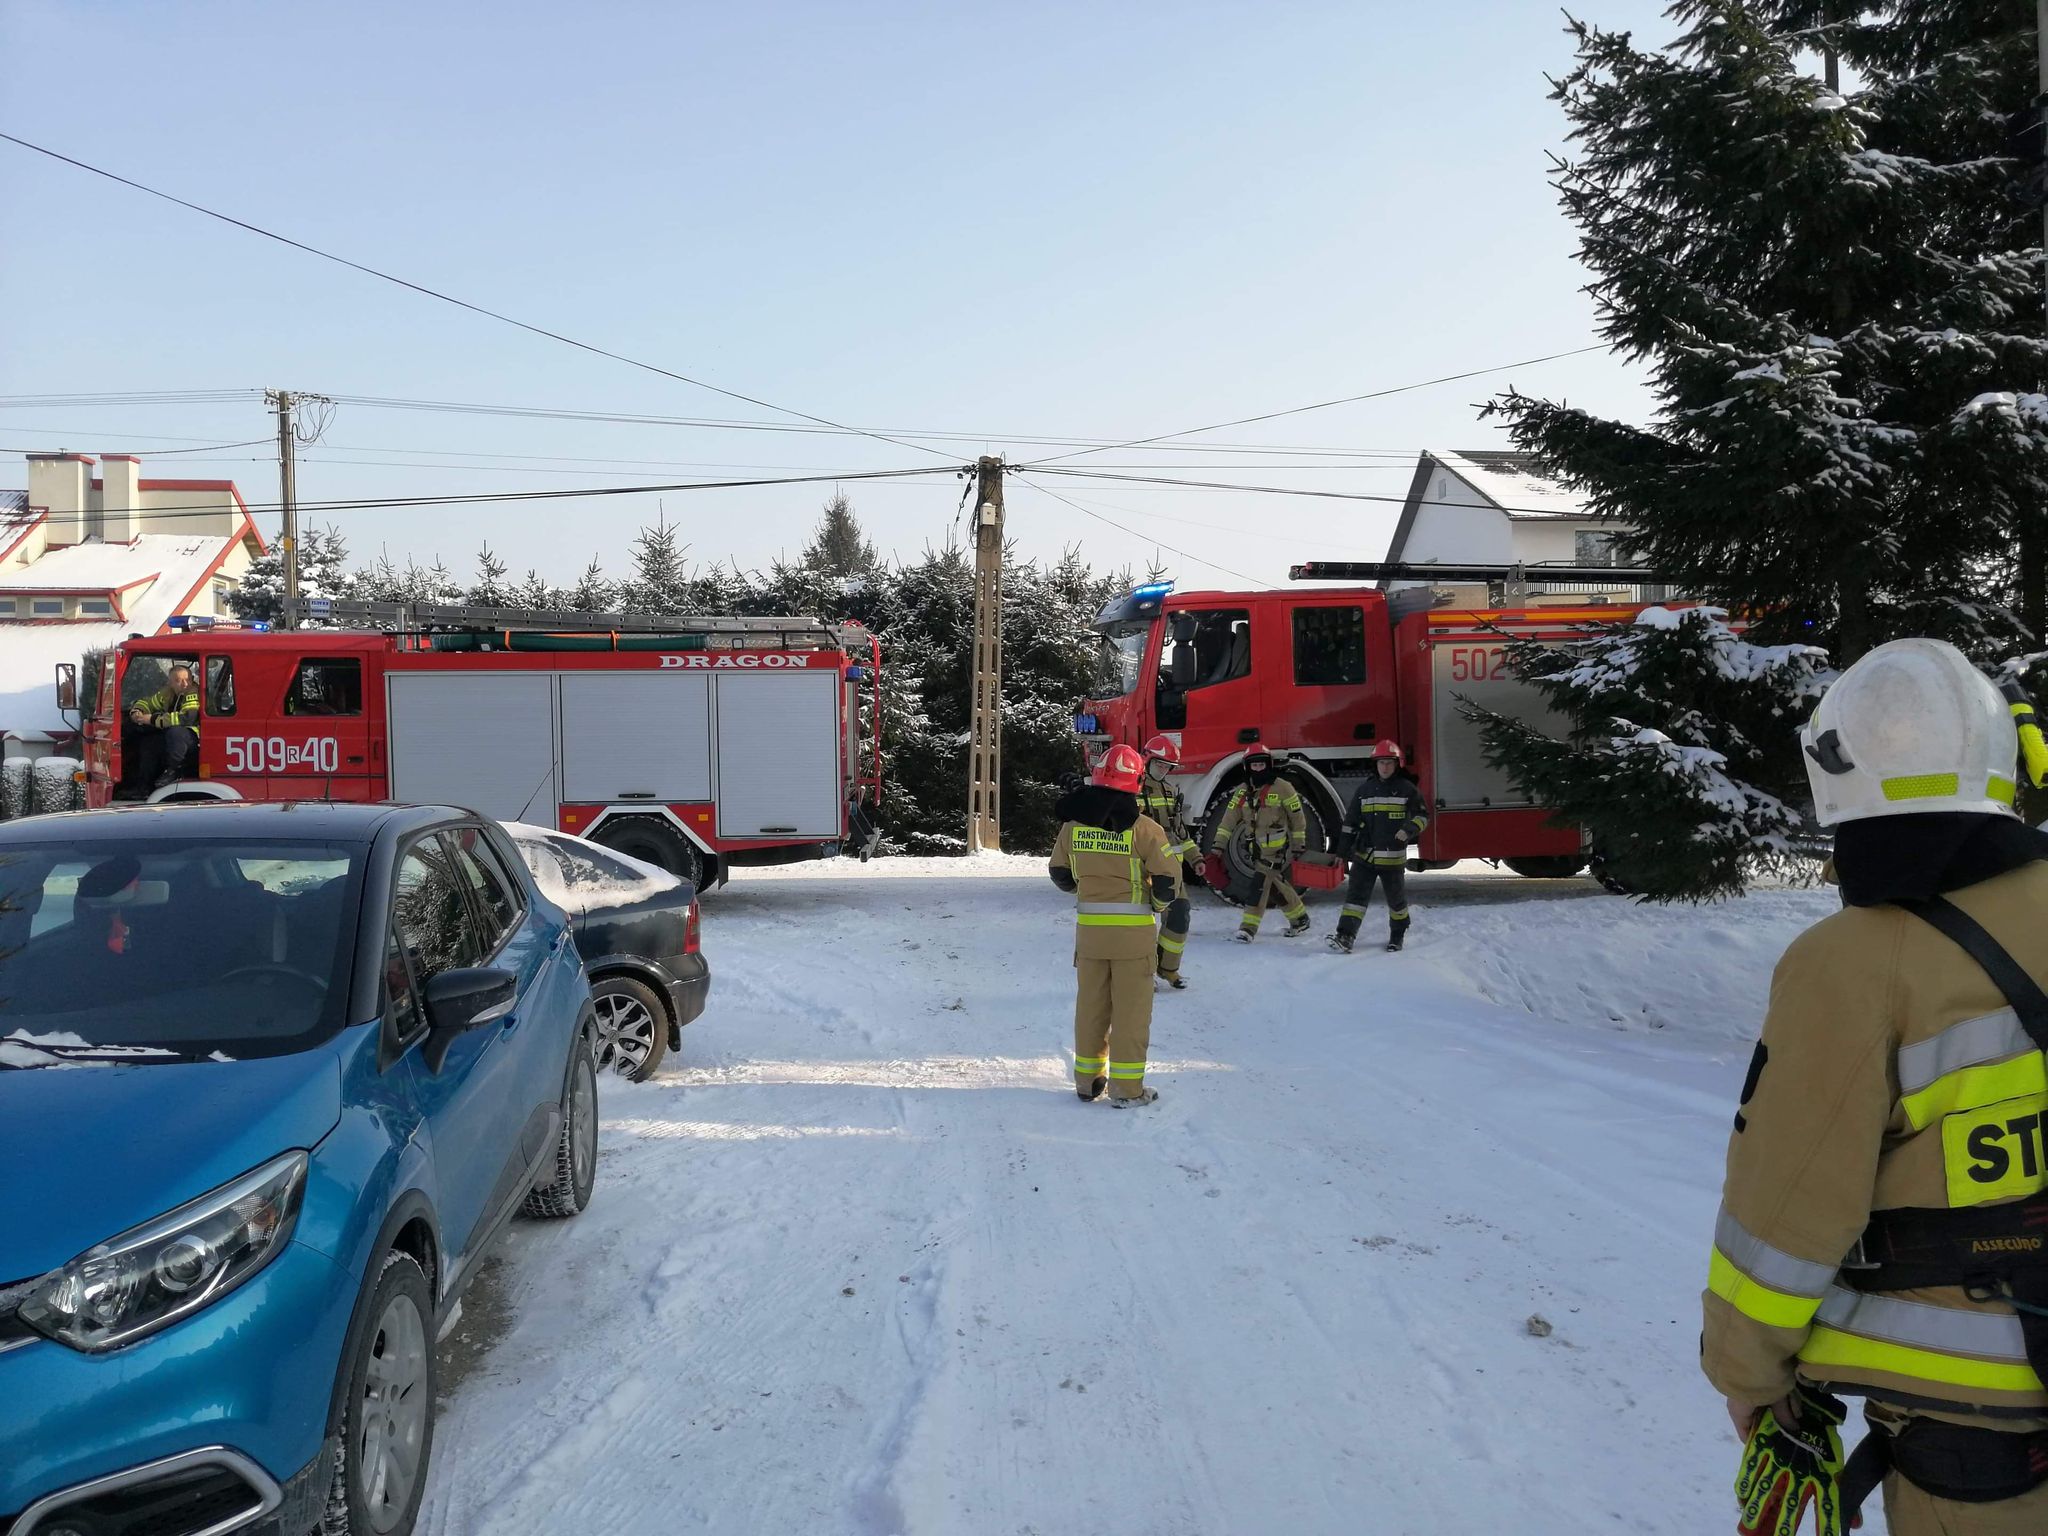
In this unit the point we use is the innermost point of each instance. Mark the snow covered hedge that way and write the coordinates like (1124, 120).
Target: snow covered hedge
(1681, 760)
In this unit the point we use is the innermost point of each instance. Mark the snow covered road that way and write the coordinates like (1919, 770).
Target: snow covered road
(861, 1263)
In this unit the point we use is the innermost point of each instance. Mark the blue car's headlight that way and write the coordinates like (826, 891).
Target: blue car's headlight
(165, 1269)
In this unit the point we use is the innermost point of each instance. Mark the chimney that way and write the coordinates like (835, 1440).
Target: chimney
(60, 483)
(120, 516)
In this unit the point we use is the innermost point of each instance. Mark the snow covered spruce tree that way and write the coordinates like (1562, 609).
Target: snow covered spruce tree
(1677, 722)
(323, 572)
(1839, 307)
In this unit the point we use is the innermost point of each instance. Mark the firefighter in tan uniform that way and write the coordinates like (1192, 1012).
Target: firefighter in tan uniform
(1882, 1226)
(1114, 859)
(1158, 799)
(1269, 807)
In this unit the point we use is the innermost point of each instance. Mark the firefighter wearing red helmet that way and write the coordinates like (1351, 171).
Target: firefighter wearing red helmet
(1269, 808)
(1385, 819)
(1114, 860)
(1160, 800)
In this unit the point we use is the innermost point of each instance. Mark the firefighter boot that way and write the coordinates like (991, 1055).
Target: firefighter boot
(1142, 1096)
(1397, 930)
(1340, 941)
(1089, 1092)
(1297, 923)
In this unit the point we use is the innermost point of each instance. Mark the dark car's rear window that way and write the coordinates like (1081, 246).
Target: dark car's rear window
(156, 949)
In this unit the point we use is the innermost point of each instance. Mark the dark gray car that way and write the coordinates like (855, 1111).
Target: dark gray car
(636, 927)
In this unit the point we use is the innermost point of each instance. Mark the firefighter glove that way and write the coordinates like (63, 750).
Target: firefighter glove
(1787, 1467)
(1401, 834)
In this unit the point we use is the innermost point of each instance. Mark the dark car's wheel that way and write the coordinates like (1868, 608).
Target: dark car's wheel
(653, 841)
(566, 1190)
(632, 1027)
(387, 1424)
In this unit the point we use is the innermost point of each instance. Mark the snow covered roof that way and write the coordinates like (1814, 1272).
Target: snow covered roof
(1506, 480)
(172, 565)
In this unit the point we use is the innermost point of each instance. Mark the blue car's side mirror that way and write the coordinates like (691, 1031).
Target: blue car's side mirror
(461, 1000)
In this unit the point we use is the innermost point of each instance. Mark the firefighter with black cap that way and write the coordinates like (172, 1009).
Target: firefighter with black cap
(1385, 819)
(1268, 807)
(1163, 802)
(1115, 861)
(1883, 1230)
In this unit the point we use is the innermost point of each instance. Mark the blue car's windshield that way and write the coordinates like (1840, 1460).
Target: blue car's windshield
(163, 950)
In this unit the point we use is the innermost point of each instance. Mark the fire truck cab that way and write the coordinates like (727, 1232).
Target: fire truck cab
(1318, 676)
(738, 741)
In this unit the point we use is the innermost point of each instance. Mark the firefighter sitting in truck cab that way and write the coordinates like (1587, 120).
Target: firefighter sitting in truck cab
(1386, 818)
(160, 736)
(1269, 808)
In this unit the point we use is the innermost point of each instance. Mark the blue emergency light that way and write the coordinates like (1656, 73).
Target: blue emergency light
(1151, 589)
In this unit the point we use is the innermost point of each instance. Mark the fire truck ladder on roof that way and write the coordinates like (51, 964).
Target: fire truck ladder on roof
(718, 631)
(1508, 584)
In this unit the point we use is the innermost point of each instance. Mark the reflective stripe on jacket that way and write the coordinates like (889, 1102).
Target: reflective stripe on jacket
(1112, 870)
(168, 707)
(1890, 1074)
(1379, 810)
(1168, 806)
(1274, 816)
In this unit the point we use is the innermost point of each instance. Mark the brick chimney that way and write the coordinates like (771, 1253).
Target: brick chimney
(61, 483)
(120, 516)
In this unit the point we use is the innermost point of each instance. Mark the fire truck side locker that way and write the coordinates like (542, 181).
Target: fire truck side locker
(636, 736)
(482, 740)
(779, 742)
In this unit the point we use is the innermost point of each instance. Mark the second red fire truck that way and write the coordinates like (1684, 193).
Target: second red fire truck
(1318, 676)
(695, 744)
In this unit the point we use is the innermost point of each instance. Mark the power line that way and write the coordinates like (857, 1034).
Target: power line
(446, 298)
(485, 498)
(1047, 490)
(1267, 490)
(564, 413)
(1323, 405)
(165, 452)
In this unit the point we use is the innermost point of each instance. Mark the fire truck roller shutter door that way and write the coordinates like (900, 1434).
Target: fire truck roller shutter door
(779, 774)
(481, 740)
(636, 736)
(1475, 668)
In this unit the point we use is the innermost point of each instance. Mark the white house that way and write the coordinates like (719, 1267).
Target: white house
(1487, 507)
(88, 560)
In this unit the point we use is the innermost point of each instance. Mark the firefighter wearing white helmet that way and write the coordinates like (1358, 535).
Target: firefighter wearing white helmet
(1884, 1222)
(1161, 799)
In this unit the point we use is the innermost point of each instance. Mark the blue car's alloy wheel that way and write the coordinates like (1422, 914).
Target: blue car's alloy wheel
(388, 1411)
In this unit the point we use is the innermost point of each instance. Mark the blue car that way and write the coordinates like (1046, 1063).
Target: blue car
(272, 1077)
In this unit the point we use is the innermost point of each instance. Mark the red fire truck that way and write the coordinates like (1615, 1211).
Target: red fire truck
(699, 744)
(1318, 676)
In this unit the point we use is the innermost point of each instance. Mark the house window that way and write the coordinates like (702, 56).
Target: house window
(326, 685)
(222, 591)
(1592, 548)
(95, 607)
(1329, 647)
(8, 608)
(47, 607)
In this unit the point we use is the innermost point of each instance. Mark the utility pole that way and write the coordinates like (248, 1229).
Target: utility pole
(2033, 557)
(985, 736)
(288, 499)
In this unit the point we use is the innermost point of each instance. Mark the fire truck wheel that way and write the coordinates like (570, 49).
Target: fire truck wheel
(1556, 866)
(653, 841)
(1241, 880)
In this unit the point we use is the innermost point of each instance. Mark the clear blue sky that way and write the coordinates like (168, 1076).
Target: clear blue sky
(1106, 220)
